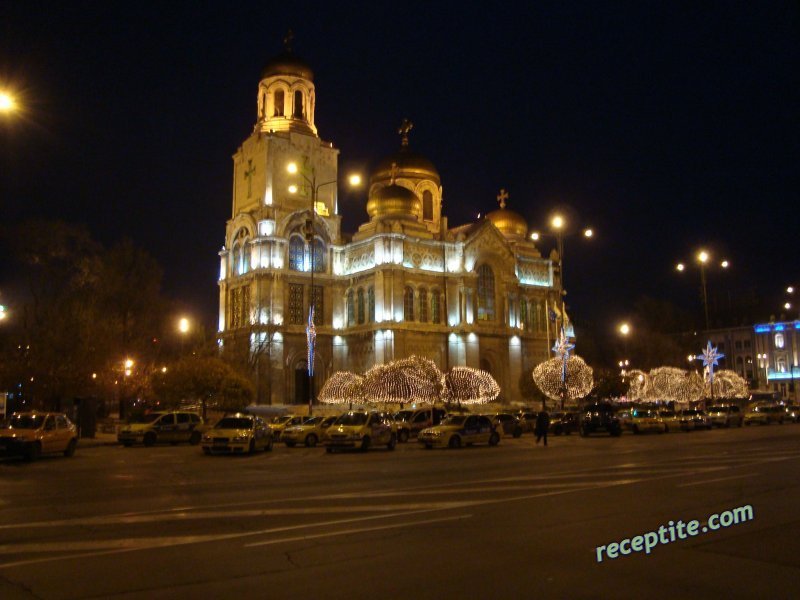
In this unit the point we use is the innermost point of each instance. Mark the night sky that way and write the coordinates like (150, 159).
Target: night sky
(664, 126)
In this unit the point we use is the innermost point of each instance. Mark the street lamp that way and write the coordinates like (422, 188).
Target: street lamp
(3, 313)
(558, 224)
(703, 257)
(311, 333)
(7, 102)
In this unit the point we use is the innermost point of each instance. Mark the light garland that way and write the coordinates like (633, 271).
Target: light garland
(728, 384)
(466, 385)
(342, 387)
(637, 388)
(579, 378)
(412, 379)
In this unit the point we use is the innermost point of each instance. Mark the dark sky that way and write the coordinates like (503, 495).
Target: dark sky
(664, 126)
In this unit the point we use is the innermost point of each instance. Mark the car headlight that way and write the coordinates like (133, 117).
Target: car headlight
(206, 437)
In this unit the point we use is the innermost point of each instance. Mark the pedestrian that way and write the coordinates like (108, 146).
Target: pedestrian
(542, 424)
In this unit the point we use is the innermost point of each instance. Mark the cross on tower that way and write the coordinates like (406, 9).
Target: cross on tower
(287, 41)
(248, 174)
(502, 197)
(405, 127)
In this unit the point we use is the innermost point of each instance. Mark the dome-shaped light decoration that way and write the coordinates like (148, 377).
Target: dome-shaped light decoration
(579, 378)
(412, 379)
(728, 384)
(667, 384)
(342, 387)
(466, 385)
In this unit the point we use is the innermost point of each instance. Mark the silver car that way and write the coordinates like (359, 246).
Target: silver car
(725, 415)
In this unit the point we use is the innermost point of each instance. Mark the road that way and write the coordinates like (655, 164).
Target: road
(515, 521)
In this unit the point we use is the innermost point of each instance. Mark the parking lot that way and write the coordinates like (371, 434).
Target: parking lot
(515, 520)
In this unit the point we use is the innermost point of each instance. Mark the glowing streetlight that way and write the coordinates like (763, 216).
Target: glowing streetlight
(128, 364)
(790, 290)
(355, 179)
(624, 329)
(588, 233)
(703, 257)
(680, 267)
(535, 235)
(724, 264)
(7, 102)
(557, 222)
(3, 313)
(787, 306)
(184, 325)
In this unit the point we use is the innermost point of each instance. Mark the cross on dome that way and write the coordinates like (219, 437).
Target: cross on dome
(405, 128)
(502, 197)
(287, 41)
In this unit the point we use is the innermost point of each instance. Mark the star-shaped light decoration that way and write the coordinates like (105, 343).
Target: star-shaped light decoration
(562, 347)
(710, 358)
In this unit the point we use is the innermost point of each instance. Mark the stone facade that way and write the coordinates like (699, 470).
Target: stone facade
(405, 283)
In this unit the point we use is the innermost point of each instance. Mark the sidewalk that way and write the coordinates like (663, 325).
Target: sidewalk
(100, 439)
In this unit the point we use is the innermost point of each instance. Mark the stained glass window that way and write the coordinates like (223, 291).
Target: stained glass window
(485, 293)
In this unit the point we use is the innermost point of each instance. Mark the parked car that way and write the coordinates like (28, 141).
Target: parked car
(411, 422)
(505, 423)
(237, 434)
(362, 430)
(724, 415)
(526, 422)
(458, 430)
(764, 414)
(278, 424)
(673, 421)
(308, 433)
(31, 434)
(172, 427)
(563, 422)
(694, 418)
(601, 416)
(793, 414)
(643, 420)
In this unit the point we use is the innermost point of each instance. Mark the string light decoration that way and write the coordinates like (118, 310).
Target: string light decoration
(412, 379)
(638, 381)
(579, 378)
(342, 387)
(311, 339)
(728, 384)
(710, 358)
(673, 385)
(466, 385)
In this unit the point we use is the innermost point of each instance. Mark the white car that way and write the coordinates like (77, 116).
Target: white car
(725, 415)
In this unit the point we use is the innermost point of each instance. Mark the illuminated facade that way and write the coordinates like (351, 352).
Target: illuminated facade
(405, 283)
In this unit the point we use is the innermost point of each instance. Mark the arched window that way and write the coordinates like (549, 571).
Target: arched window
(297, 251)
(408, 304)
(436, 312)
(278, 104)
(360, 305)
(485, 293)
(427, 205)
(298, 105)
(263, 104)
(523, 314)
(423, 305)
(779, 343)
(371, 305)
(319, 256)
(351, 309)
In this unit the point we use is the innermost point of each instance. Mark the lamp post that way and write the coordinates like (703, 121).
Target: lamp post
(558, 224)
(311, 332)
(702, 258)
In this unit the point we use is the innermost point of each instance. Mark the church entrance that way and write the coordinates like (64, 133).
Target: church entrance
(301, 384)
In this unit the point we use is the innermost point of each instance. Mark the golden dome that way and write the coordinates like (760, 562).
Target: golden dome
(287, 63)
(408, 165)
(394, 201)
(511, 224)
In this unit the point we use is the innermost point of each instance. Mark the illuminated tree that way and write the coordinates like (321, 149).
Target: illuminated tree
(342, 387)
(579, 378)
(466, 385)
(638, 384)
(728, 384)
(412, 379)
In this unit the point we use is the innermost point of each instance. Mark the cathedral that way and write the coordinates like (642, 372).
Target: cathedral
(406, 283)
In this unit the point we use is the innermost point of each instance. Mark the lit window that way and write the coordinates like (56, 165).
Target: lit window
(298, 105)
(427, 205)
(436, 312)
(360, 307)
(371, 305)
(485, 293)
(779, 343)
(408, 304)
(523, 314)
(297, 248)
(319, 256)
(278, 103)
(423, 305)
(317, 294)
(295, 304)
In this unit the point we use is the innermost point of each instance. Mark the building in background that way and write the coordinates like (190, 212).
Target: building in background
(406, 283)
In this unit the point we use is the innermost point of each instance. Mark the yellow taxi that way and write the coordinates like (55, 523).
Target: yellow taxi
(278, 424)
(362, 430)
(308, 433)
(458, 430)
(643, 420)
(31, 434)
(237, 434)
(172, 427)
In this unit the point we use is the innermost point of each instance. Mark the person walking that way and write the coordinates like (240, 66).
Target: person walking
(542, 424)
